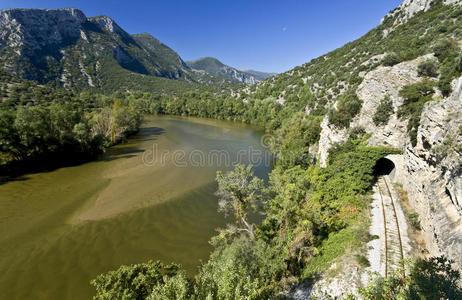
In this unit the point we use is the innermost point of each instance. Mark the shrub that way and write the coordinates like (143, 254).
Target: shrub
(349, 105)
(362, 260)
(383, 112)
(415, 96)
(414, 220)
(459, 63)
(428, 68)
(433, 278)
(138, 281)
(442, 48)
(391, 59)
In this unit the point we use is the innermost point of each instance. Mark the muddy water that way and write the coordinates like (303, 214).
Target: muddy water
(149, 198)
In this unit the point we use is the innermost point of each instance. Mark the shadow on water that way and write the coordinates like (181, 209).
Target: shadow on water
(121, 153)
(148, 134)
(128, 148)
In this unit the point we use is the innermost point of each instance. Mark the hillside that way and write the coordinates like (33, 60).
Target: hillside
(400, 84)
(65, 48)
(214, 67)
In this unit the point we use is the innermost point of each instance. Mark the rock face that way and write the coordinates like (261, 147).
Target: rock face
(433, 175)
(376, 85)
(30, 30)
(64, 45)
(409, 8)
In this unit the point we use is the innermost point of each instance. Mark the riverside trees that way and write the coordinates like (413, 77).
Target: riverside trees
(50, 129)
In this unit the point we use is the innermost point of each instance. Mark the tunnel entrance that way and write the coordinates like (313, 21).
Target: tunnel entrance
(383, 166)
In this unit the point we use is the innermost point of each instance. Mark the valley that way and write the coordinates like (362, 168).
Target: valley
(129, 173)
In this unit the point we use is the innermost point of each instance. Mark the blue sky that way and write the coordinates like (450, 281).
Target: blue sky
(265, 35)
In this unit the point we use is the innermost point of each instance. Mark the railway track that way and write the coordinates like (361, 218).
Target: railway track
(393, 244)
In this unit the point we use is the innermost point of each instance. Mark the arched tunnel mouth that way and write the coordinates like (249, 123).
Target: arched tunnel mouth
(383, 166)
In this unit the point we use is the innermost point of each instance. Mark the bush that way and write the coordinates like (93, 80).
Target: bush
(138, 282)
(414, 220)
(459, 63)
(362, 261)
(442, 48)
(383, 112)
(391, 59)
(433, 278)
(428, 68)
(415, 96)
(349, 105)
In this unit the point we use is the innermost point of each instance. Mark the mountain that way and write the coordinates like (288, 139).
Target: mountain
(215, 67)
(259, 76)
(64, 47)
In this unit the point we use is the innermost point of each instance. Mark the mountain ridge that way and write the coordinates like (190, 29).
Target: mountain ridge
(64, 47)
(215, 67)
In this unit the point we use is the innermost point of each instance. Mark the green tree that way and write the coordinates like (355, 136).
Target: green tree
(383, 112)
(428, 68)
(239, 192)
(432, 279)
(241, 269)
(391, 59)
(140, 281)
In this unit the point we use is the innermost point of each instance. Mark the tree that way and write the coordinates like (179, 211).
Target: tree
(239, 191)
(139, 281)
(383, 112)
(428, 68)
(9, 139)
(391, 59)
(241, 269)
(432, 278)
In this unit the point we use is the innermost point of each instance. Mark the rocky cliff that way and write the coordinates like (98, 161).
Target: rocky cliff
(432, 175)
(409, 8)
(30, 30)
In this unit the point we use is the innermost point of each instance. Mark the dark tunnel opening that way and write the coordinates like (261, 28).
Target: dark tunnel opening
(384, 166)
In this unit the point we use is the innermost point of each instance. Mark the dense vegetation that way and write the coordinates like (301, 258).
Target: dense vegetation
(42, 126)
(415, 96)
(427, 279)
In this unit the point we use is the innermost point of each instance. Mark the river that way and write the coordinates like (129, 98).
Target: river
(149, 198)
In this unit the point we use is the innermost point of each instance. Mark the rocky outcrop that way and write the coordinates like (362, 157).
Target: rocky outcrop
(433, 175)
(30, 30)
(376, 85)
(410, 8)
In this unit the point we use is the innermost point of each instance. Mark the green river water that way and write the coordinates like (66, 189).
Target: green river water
(149, 198)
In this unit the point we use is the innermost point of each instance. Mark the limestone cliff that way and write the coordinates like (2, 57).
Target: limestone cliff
(430, 171)
(409, 8)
